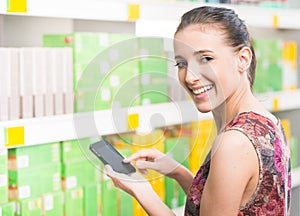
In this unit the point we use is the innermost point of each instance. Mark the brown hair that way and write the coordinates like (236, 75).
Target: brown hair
(236, 32)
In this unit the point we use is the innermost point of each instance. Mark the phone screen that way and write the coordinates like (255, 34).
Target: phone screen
(109, 155)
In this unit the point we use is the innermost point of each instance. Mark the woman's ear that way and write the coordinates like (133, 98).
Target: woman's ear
(245, 57)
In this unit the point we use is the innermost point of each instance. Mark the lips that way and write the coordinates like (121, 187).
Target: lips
(201, 89)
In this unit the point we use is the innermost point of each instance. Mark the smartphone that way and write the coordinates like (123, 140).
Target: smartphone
(109, 155)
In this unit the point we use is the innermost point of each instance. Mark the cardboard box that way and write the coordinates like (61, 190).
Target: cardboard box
(4, 83)
(90, 200)
(53, 204)
(14, 86)
(34, 181)
(7, 209)
(73, 202)
(77, 173)
(27, 65)
(29, 206)
(31, 156)
(109, 201)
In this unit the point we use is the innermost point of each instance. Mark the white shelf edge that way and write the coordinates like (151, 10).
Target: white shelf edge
(76, 9)
(115, 121)
(98, 123)
(296, 177)
(280, 101)
(287, 18)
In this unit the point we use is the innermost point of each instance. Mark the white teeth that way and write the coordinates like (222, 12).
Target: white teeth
(203, 89)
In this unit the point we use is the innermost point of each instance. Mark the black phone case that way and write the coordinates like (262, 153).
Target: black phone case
(109, 155)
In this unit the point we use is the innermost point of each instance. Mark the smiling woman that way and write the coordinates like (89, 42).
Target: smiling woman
(247, 171)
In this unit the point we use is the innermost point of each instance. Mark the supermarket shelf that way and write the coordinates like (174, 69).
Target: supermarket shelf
(118, 10)
(280, 101)
(286, 18)
(296, 177)
(115, 121)
(75, 9)
(94, 124)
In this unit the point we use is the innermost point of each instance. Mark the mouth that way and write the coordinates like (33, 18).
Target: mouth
(202, 89)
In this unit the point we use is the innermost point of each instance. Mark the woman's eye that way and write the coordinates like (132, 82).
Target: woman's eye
(206, 59)
(181, 65)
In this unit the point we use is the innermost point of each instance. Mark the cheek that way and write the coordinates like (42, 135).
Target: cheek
(181, 77)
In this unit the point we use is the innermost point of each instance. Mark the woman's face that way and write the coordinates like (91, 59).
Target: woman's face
(207, 67)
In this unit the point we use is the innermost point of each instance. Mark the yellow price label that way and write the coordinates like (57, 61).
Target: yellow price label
(275, 21)
(133, 11)
(133, 121)
(14, 136)
(17, 6)
(275, 104)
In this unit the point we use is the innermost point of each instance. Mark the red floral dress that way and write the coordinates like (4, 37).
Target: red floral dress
(273, 192)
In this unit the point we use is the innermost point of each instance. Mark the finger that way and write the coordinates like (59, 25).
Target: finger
(144, 154)
(146, 165)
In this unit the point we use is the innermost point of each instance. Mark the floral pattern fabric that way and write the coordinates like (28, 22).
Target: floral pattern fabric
(273, 192)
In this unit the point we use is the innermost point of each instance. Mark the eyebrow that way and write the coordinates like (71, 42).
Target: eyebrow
(196, 53)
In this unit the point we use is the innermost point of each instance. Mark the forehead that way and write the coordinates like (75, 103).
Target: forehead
(199, 37)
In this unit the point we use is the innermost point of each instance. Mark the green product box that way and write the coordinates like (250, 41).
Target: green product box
(90, 199)
(3, 190)
(7, 209)
(3, 176)
(93, 99)
(30, 156)
(70, 150)
(3, 161)
(153, 80)
(126, 204)
(53, 203)
(34, 181)
(78, 173)
(73, 199)
(124, 84)
(275, 83)
(29, 207)
(294, 151)
(109, 200)
(86, 46)
(153, 46)
(178, 148)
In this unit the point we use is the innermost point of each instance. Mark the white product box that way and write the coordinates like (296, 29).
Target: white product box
(48, 82)
(14, 86)
(26, 75)
(68, 81)
(39, 68)
(4, 81)
(57, 70)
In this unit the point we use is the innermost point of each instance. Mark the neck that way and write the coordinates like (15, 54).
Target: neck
(241, 101)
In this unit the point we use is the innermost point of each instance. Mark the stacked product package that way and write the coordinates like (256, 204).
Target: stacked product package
(35, 82)
(34, 174)
(276, 68)
(6, 207)
(115, 70)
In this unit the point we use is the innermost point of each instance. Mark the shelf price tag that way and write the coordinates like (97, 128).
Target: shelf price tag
(133, 11)
(275, 104)
(133, 121)
(275, 21)
(16, 6)
(14, 136)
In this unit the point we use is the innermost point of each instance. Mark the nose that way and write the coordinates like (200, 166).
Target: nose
(192, 74)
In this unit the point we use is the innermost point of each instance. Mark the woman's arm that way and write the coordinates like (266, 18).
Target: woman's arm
(233, 164)
(138, 187)
(183, 176)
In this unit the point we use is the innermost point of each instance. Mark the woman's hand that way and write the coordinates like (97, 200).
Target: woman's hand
(137, 186)
(155, 160)
(131, 184)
